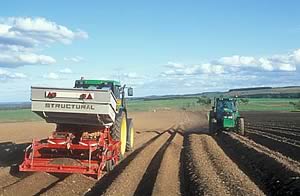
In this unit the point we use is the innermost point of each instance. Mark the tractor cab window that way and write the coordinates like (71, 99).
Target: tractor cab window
(226, 104)
(92, 87)
(116, 92)
(220, 106)
(103, 86)
(229, 105)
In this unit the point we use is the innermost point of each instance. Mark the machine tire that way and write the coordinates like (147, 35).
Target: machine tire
(130, 135)
(109, 165)
(119, 131)
(14, 169)
(241, 126)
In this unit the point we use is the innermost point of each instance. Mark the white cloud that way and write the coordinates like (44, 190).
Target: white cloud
(4, 75)
(286, 62)
(211, 69)
(187, 70)
(132, 79)
(51, 76)
(286, 67)
(266, 64)
(174, 65)
(296, 56)
(229, 72)
(15, 59)
(276, 63)
(75, 59)
(237, 60)
(132, 75)
(37, 30)
(22, 37)
(19, 75)
(66, 71)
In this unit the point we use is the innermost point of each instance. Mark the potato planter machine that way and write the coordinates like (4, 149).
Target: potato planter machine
(92, 132)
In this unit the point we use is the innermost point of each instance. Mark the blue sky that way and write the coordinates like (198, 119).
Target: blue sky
(158, 47)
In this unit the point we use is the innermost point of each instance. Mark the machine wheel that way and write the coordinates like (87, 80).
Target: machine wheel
(109, 165)
(14, 169)
(119, 131)
(130, 135)
(241, 126)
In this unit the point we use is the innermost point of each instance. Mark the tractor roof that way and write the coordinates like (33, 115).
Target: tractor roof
(96, 82)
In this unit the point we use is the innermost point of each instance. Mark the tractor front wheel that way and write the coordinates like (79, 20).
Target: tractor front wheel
(211, 123)
(241, 126)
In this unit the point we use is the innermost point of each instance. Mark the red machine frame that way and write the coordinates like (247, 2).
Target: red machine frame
(92, 154)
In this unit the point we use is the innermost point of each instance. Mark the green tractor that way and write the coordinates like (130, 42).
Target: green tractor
(225, 116)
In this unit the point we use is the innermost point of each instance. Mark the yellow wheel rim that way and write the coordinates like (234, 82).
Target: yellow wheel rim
(131, 137)
(123, 135)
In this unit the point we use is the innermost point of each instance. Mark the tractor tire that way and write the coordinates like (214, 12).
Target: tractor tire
(211, 123)
(130, 135)
(212, 126)
(241, 126)
(119, 131)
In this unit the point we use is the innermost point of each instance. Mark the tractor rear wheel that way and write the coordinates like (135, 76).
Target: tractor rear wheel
(119, 131)
(130, 135)
(241, 126)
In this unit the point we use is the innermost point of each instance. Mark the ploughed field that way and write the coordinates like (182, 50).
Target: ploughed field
(279, 131)
(174, 155)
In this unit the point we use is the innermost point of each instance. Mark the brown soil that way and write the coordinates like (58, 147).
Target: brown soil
(278, 131)
(154, 121)
(65, 161)
(75, 184)
(221, 175)
(168, 177)
(128, 180)
(6, 178)
(25, 131)
(31, 185)
(274, 173)
(173, 155)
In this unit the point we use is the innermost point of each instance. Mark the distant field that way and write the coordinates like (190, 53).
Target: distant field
(165, 104)
(17, 115)
(254, 104)
(268, 104)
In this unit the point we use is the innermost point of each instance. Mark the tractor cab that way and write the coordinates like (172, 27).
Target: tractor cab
(226, 112)
(225, 107)
(225, 115)
(112, 85)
